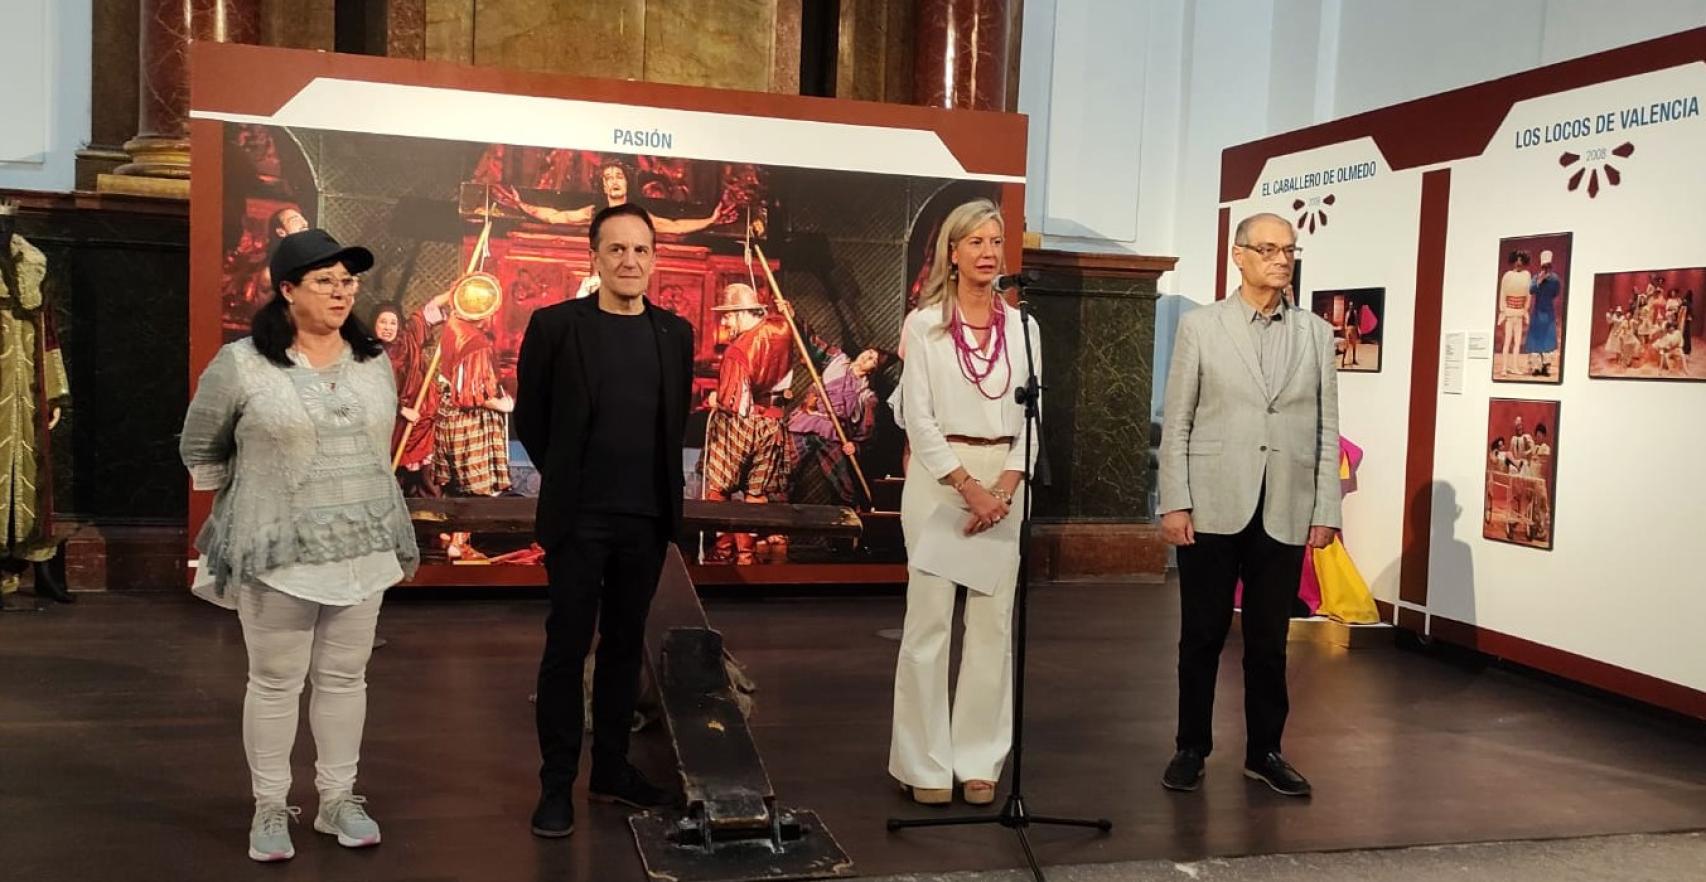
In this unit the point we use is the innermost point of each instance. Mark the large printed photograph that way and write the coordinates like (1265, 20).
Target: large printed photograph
(1646, 325)
(804, 275)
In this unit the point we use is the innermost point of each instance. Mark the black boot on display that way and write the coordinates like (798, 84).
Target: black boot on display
(49, 586)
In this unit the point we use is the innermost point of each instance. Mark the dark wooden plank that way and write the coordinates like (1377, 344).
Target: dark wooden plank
(514, 514)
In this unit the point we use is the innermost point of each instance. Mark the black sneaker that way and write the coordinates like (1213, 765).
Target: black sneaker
(1275, 772)
(554, 818)
(625, 785)
(1184, 772)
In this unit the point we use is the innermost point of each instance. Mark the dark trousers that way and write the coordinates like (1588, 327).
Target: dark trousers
(606, 573)
(1208, 576)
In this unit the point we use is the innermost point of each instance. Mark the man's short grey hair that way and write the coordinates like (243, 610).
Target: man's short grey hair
(1242, 235)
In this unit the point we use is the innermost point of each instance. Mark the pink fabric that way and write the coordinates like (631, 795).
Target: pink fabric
(1308, 587)
(1366, 322)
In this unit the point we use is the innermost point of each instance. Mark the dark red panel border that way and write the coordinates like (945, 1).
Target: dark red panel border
(1424, 388)
(1598, 674)
(1457, 124)
(1222, 247)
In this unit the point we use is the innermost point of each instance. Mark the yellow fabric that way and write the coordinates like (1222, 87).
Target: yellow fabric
(1344, 595)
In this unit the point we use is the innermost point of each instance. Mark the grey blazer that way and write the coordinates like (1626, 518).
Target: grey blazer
(1223, 433)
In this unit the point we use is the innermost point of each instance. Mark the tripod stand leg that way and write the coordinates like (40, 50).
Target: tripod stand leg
(1102, 824)
(960, 821)
(1030, 856)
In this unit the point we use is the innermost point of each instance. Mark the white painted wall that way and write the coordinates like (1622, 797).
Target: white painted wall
(45, 92)
(1216, 73)
(1154, 90)
(1623, 583)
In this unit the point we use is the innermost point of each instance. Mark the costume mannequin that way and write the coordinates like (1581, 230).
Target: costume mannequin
(33, 388)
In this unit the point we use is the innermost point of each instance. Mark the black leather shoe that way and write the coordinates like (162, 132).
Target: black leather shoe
(1275, 772)
(624, 784)
(1184, 772)
(554, 818)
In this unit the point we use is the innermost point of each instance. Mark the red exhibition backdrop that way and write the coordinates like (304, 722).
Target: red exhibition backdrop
(252, 170)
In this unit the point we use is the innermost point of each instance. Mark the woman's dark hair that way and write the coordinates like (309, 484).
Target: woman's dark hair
(1519, 256)
(272, 329)
(1540, 428)
(1498, 444)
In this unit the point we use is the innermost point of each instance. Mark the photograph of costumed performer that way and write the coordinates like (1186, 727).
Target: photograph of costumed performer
(1515, 298)
(34, 389)
(247, 279)
(964, 479)
(614, 182)
(291, 428)
(1543, 340)
(472, 431)
(745, 441)
(605, 386)
(1249, 475)
(406, 342)
(613, 179)
(822, 471)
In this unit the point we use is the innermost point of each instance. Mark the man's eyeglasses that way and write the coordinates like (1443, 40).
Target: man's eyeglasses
(1269, 251)
(326, 286)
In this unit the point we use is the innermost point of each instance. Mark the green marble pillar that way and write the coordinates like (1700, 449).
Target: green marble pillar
(1096, 314)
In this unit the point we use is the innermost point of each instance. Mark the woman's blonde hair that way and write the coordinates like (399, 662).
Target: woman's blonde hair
(939, 285)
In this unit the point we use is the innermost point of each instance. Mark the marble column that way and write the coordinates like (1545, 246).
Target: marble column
(160, 152)
(1096, 313)
(960, 57)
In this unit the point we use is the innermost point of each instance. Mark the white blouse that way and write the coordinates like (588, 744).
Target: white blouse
(935, 399)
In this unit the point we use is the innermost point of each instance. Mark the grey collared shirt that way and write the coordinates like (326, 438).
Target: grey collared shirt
(1272, 340)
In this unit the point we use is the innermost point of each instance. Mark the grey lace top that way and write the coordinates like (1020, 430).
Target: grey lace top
(299, 461)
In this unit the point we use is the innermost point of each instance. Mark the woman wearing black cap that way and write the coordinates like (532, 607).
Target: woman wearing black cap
(291, 427)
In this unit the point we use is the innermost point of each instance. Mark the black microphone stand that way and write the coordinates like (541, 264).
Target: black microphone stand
(1014, 814)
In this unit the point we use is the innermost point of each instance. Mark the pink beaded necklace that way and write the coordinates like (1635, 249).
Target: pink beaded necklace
(974, 365)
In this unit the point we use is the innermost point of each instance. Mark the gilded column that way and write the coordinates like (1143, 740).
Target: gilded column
(160, 152)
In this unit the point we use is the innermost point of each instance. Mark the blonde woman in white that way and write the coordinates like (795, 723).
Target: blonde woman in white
(960, 508)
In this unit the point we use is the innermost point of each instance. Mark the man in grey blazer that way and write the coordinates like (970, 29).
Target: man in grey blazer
(1249, 473)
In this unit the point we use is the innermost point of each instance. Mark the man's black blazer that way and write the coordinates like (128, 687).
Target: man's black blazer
(558, 384)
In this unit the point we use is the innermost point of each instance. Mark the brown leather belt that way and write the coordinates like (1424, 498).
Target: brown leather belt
(980, 442)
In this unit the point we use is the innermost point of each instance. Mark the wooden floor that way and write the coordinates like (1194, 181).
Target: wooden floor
(120, 756)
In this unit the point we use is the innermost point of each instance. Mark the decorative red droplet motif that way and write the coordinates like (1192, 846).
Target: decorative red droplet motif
(1576, 179)
(1612, 175)
(1329, 200)
(1593, 184)
(1569, 159)
(1624, 150)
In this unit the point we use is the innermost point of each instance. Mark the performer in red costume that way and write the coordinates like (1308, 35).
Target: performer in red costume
(745, 440)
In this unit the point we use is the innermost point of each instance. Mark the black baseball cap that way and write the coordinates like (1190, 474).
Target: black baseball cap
(315, 247)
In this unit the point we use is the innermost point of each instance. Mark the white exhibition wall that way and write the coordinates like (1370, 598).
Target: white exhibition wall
(1132, 101)
(1625, 581)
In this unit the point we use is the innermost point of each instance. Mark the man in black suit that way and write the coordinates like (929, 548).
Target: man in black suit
(602, 407)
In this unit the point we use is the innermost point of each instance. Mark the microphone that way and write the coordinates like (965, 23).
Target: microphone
(1011, 280)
